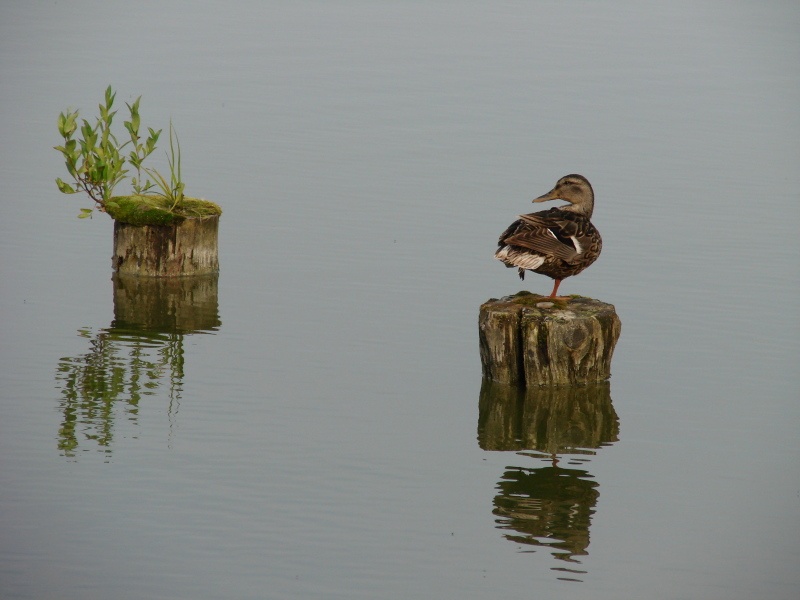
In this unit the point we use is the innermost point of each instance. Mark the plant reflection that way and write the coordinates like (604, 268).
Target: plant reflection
(548, 506)
(141, 353)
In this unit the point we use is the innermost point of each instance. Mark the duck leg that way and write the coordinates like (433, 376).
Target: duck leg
(553, 296)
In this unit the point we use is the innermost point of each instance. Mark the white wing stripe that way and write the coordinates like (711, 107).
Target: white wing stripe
(523, 260)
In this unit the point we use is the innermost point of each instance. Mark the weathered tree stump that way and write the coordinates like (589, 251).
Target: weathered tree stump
(153, 238)
(186, 248)
(529, 340)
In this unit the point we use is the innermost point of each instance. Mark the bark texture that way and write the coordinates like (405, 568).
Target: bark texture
(187, 248)
(527, 340)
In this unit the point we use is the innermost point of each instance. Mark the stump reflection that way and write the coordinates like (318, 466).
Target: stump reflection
(555, 420)
(550, 506)
(166, 304)
(140, 354)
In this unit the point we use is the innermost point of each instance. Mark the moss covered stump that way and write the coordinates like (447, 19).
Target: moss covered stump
(529, 340)
(154, 240)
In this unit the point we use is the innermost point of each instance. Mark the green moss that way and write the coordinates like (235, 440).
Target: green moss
(527, 298)
(155, 210)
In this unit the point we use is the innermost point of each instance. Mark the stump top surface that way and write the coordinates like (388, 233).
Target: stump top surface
(155, 210)
(575, 307)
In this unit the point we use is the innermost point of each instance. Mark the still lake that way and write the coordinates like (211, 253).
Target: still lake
(319, 427)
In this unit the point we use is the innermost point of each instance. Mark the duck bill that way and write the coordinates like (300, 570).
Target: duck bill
(551, 195)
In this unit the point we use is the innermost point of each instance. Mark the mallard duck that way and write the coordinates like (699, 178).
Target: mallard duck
(559, 242)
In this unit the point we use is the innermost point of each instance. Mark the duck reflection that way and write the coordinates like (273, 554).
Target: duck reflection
(549, 506)
(140, 354)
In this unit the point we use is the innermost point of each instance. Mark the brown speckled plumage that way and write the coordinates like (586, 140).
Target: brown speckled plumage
(559, 242)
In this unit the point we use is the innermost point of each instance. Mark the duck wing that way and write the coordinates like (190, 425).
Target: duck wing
(553, 232)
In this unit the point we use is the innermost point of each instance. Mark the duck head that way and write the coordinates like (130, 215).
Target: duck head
(576, 190)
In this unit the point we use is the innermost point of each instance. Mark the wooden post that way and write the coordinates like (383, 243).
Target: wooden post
(528, 340)
(189, 247)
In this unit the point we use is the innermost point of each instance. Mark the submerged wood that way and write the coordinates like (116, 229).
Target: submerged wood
(528, 340)
(189, 247)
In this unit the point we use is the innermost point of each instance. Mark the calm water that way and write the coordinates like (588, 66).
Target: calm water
(313, 424)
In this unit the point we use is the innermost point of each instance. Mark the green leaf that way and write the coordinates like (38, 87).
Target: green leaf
(86, 214)
(112, 204)
(65, 187)
(109, 97)
(134, 108)
(70, 125)
(86, 210)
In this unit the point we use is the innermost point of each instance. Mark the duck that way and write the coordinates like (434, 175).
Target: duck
(559, 242)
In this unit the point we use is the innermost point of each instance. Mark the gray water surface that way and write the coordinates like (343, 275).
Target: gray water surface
(313, 424)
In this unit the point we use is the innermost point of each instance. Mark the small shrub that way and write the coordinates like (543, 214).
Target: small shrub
(97, 163)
